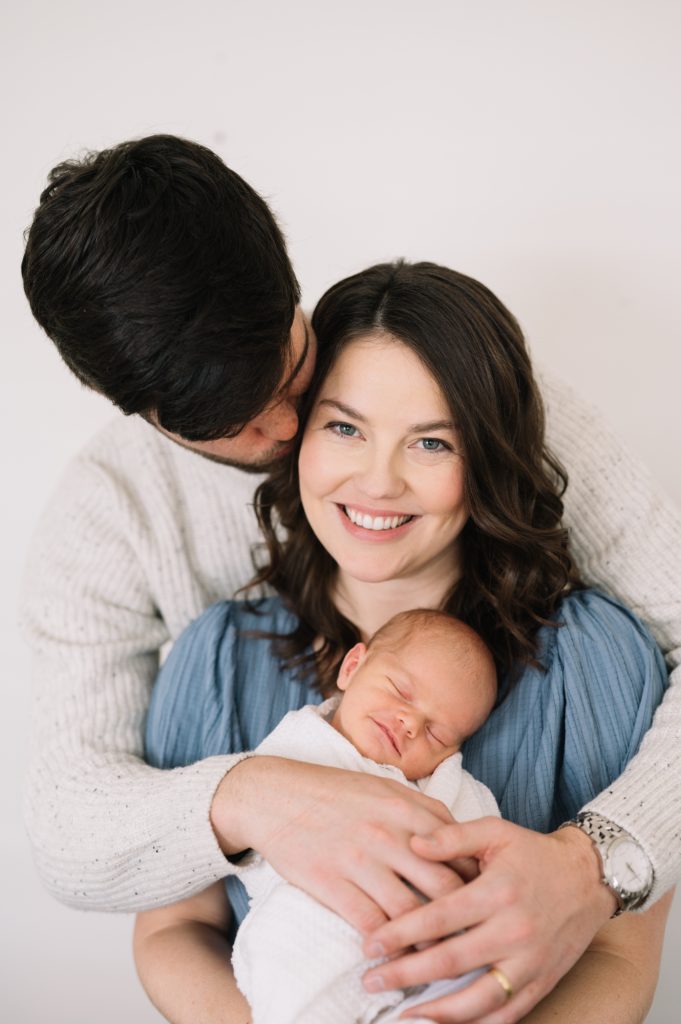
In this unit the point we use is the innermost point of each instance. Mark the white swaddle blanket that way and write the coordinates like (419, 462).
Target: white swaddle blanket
(296, 961)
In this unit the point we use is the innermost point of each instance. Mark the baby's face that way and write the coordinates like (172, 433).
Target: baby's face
(410, 707)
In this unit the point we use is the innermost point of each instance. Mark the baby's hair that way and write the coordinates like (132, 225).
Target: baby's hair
(439, 625)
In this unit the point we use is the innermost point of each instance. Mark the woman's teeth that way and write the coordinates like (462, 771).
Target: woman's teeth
(375, 522)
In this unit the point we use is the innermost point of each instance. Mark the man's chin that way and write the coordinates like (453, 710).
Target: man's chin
(262, 466)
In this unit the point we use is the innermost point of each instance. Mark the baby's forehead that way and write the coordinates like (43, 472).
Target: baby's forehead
(442, 660)
(427, 660)
(454, 640)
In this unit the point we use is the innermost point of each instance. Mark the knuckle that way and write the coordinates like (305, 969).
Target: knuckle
(404, 902)
(444, 960)
(438, 918)
(355, 856)
(375, 833)
(368, 918)
(320, 876)
(399, 806)
(506, 893)
(521, 933)
(536, 989)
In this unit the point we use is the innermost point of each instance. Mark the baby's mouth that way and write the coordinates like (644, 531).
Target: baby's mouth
(368, 522)
(389, 735)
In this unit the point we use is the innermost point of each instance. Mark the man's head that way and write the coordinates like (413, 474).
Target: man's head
(163, 279)
(423, 684)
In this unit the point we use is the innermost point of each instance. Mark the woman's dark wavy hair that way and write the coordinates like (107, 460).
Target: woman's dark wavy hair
(516, 560)
(163, 279)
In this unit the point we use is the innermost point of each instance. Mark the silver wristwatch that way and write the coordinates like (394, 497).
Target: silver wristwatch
(627, 870)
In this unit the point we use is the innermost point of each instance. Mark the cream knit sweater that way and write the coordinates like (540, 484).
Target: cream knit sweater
(143, 535)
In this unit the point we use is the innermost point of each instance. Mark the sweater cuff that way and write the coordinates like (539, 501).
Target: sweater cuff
(195, 849)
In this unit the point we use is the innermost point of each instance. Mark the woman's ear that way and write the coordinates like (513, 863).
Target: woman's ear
(350, 664)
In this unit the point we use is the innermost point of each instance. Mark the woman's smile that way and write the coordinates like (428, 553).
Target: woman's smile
(381, 468)
(376, 526)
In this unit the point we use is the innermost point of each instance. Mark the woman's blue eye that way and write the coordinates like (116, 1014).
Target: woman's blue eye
(434, 444)
(343, 429)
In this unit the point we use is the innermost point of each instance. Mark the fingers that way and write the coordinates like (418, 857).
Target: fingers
(515, 915)
(390, 885)
(461, 908)
(439, 809)
(468, 840)
(484, 1001)
(374, 891)
(433, 881)
(380, 895)
(449, 958)
(350, 902)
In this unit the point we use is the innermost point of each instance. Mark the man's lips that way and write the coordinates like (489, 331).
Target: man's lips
(390, 736)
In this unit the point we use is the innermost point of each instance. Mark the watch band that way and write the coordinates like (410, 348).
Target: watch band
(605, 835)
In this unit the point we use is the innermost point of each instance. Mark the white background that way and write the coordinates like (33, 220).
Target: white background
(533, 144)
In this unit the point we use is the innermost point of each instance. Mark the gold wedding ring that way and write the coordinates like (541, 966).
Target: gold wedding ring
(499, 976)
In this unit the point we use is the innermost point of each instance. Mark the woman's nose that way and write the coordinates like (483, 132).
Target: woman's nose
(379, 476)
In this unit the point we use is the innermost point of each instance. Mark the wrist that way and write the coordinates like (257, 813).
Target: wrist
(231, 807)
(584, 855)
(626, 868)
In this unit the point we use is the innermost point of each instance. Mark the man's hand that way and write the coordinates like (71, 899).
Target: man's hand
(343, 837)
(532, 911)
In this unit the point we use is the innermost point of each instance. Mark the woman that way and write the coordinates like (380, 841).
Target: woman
(422, 480)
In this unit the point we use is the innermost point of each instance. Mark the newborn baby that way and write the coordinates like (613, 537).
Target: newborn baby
(409, 699)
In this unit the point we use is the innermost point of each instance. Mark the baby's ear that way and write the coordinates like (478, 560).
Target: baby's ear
(349, 665)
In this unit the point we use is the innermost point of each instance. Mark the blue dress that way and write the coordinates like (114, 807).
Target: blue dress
(559, 737)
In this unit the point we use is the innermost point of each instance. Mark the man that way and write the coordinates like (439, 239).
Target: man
(164, 281)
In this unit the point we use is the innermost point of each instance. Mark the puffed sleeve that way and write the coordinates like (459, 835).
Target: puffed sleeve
(614, 677)
(193, 712)
(222, 688)
(564, 733)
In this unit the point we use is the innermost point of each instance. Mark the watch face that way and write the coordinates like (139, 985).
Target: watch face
(628, 867)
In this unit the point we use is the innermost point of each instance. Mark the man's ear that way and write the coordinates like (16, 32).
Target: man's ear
(350, 664)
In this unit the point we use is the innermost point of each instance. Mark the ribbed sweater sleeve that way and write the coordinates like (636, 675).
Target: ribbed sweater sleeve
(111, 576)
(627, 539)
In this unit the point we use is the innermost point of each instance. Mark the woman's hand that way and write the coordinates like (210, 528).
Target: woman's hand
(343, 837)
(532, 911)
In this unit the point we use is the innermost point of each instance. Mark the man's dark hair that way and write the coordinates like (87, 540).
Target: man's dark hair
(163, 279)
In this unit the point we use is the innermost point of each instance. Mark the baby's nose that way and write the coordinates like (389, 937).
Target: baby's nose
(408, 722)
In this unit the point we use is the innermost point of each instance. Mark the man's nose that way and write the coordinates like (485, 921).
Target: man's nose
(280, 423)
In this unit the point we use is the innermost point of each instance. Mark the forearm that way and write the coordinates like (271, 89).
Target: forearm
(184, 960)
(110, 833)
(600, 987)
(646, 798)
(615, 979)
(186, 972)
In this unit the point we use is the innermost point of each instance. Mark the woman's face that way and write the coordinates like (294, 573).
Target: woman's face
(381, 469)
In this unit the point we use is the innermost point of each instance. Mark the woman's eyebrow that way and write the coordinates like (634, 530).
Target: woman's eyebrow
(414, 428)
(347, 410)
(424, 428)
